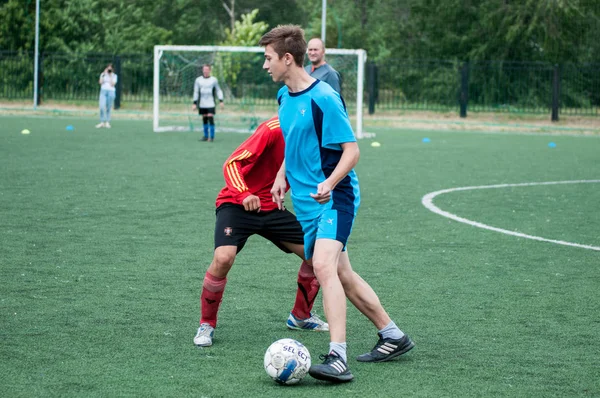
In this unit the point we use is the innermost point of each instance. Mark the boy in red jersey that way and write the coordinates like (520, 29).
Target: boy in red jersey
(245, 207)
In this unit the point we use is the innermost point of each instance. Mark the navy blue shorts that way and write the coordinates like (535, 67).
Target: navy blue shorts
(331, 224)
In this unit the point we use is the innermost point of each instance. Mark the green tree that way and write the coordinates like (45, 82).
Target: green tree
(191, 22)
(525, 30)
(18, 25)
(109, 26)
(246, 32)
(530, 30)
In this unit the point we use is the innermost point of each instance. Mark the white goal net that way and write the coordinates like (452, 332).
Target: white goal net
(250, 94)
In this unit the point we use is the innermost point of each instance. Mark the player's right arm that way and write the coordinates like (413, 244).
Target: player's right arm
(234, 176)
(279, 187)
(241, 161)
(338, 82)
(196, 94)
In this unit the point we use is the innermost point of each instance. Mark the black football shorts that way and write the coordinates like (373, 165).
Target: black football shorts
(206, 111)
(235, 225)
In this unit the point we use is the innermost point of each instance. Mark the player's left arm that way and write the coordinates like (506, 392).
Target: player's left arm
(337, 134)
(348, 160)
(219, 93)
(333, 78)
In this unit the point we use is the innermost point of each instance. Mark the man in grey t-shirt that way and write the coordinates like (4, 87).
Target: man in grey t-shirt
(318, 68)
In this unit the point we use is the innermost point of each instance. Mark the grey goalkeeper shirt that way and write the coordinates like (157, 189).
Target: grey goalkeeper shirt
(326, 74)
(203, 91)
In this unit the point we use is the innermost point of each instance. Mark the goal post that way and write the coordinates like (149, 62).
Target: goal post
(250, 94)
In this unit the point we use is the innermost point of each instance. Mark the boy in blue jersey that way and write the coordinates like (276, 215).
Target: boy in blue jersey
(320, 155)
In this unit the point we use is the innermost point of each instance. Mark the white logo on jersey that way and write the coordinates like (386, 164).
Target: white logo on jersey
(302, 111)
(330, 221)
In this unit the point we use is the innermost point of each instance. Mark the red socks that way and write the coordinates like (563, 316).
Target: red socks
(210, 300)
(213, 288)
(308, 287)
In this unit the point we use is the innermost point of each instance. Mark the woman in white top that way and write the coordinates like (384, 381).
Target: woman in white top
(107, 81)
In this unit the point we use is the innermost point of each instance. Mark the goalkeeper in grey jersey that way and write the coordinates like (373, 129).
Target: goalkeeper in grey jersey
(205, 88)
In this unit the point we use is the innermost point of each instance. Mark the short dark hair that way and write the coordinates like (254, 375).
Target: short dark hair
(286, 39)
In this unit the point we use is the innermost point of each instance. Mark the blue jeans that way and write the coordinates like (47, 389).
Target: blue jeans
(107, 97)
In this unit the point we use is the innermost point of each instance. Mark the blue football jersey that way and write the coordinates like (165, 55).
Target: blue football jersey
(314, 124)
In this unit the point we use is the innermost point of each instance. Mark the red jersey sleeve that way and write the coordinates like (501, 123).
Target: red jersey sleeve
(241, 162)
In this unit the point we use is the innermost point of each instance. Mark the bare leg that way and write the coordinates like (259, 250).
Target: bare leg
(360, 294)
(297, 249)
(325, 263)
(222, 262)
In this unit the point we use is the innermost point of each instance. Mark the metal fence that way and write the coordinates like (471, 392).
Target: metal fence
(518, 87)
(416, 85)
(510, 87)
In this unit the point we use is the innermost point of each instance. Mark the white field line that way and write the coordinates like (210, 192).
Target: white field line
(427, 201)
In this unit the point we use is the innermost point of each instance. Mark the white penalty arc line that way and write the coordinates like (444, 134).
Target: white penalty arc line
(427, 201)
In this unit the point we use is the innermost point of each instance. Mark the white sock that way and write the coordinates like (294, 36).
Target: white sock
(340, 349)
(391, 331)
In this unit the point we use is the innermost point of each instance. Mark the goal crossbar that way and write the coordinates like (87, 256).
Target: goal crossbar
(160, 49)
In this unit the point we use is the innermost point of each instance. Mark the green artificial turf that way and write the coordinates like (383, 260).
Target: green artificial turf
(106, 236)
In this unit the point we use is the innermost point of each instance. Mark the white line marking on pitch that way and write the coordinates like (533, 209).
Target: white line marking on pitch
(427, 201)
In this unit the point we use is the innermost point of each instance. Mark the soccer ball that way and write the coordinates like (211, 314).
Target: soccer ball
(287, 361)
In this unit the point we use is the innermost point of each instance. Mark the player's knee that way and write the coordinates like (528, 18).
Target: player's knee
(211, 119)
(323, 270)
(222, 263)
(205, 119)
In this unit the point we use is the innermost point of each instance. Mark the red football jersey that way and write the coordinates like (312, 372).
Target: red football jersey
(253, 166)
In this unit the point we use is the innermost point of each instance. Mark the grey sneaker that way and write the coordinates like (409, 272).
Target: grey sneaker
(204, 336)
(333, 369)
(387, 349)
(313, 323)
